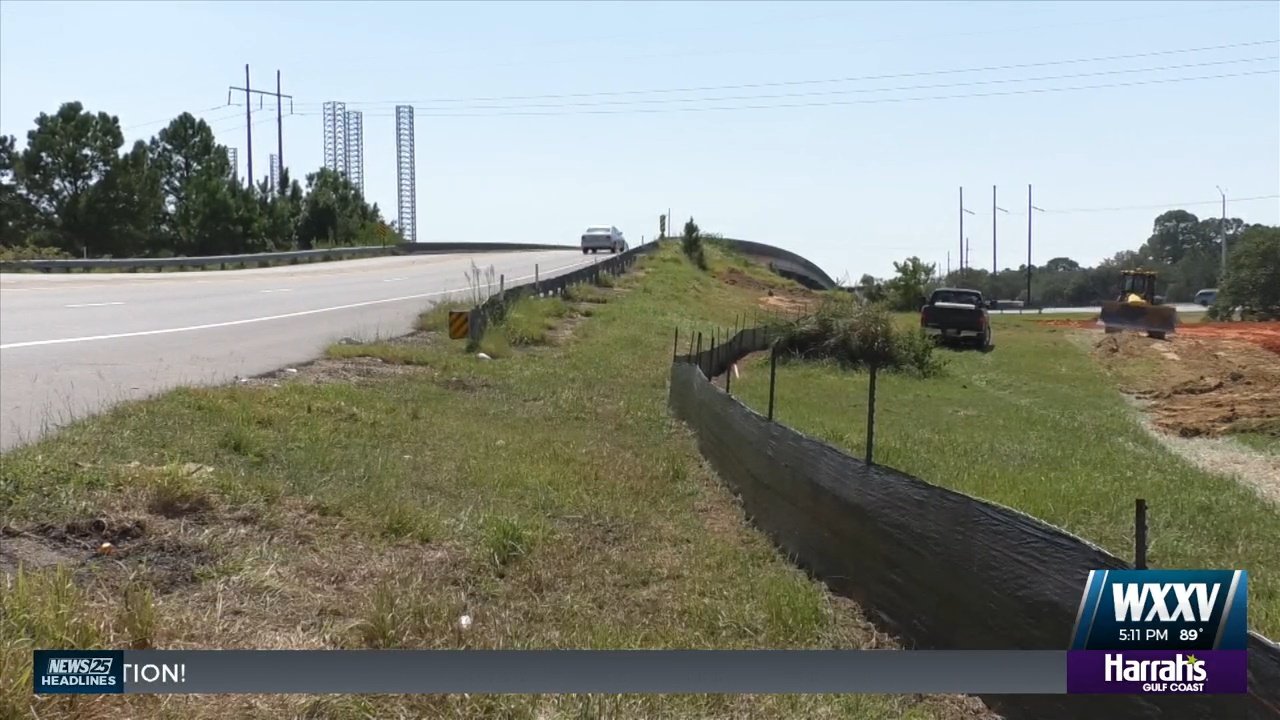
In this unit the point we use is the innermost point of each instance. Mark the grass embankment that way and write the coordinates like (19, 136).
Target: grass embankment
(1036, 425)
(372, 500)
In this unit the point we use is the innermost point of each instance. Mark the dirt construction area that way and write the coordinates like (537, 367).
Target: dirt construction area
(1208, 379)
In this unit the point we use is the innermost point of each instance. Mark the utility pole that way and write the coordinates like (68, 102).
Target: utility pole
(1027, 301)
(1222, 235)
(248, 126)
(249, 123)
(280, 134)
(948, 263)
(964, 241)
(995, 270)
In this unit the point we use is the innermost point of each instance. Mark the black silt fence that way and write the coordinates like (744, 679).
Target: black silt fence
(938, 568)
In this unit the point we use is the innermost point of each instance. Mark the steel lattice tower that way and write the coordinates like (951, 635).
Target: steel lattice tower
(233, 158)
(335, 136)
(406, 178)
(355, 148)
(273, 163)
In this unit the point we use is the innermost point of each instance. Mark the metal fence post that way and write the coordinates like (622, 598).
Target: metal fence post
(1140, 534)
(675, 345)
(871, 414)
(502, 283)
(698, 354)
(728, 377)
(773, 376)
(537, 281)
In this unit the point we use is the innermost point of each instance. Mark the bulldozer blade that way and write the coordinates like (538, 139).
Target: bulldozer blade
(1141, 318)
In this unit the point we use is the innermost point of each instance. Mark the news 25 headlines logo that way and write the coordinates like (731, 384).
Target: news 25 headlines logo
(78, 671)
(1161, 631)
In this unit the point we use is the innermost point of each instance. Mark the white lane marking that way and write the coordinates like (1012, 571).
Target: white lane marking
(393, 279)
(249, 321)
(84, 305)
(277, 290)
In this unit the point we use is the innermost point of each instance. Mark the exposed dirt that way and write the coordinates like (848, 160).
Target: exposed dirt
(1263, 334)
(1198, 385)
(339, 370)
(788, 299)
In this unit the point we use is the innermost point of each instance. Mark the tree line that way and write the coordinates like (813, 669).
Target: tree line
(1184, 250)
(73, 191)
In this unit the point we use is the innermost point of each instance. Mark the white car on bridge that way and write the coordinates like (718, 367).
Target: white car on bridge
(603, 237)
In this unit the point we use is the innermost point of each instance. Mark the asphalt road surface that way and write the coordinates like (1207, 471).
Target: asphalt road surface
(1181, 307)
(75, 344)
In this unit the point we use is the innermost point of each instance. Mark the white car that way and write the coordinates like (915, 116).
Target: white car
(1207, 297)
(603, 237)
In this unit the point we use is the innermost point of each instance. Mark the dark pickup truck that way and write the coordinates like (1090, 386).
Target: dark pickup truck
(957, 314)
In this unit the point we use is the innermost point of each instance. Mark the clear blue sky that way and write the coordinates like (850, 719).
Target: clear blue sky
(852, 186)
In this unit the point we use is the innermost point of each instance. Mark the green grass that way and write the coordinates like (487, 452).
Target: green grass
(1269, 444)
(1037, 426)
(550, 496)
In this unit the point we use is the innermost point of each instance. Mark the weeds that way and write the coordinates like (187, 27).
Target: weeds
(138, 616)
(174, 494)
(507, 540)
(857, 335)
(480, 283)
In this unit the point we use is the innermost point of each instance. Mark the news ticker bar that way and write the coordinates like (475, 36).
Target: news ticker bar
(549, 671)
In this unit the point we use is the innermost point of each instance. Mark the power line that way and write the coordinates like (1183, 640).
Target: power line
(1160, 206)
(793, 83)
(844, 46)
(836, 103)
(170, 119)
(859, 91)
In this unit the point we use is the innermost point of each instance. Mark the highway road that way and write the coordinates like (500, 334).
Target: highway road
(1182, 308)
(75, 344)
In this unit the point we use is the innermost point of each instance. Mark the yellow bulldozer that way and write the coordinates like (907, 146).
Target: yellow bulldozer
(1136, 309)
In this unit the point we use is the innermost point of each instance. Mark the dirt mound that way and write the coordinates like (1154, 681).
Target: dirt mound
(1198, 384)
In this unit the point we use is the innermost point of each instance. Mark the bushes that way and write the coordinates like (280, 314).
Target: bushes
(691, 244)
(857, 336)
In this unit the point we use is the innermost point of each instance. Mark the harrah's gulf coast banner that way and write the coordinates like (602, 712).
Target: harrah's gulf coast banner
(1161, 631)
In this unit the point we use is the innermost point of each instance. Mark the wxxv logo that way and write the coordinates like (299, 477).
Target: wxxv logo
(1161, 631)
(78, 671)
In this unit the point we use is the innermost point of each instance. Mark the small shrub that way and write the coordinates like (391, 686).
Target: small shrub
(858, 335)
(691, 244)
(31, 252)
(606, 280)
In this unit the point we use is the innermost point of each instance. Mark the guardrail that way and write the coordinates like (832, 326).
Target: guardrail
(262, 259)
(494, 308)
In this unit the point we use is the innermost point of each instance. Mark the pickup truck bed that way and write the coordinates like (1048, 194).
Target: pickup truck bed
(956, 320)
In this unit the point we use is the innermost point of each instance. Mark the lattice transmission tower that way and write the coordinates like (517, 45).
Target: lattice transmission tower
(355, 148)
(406, 177)
(335, 136)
